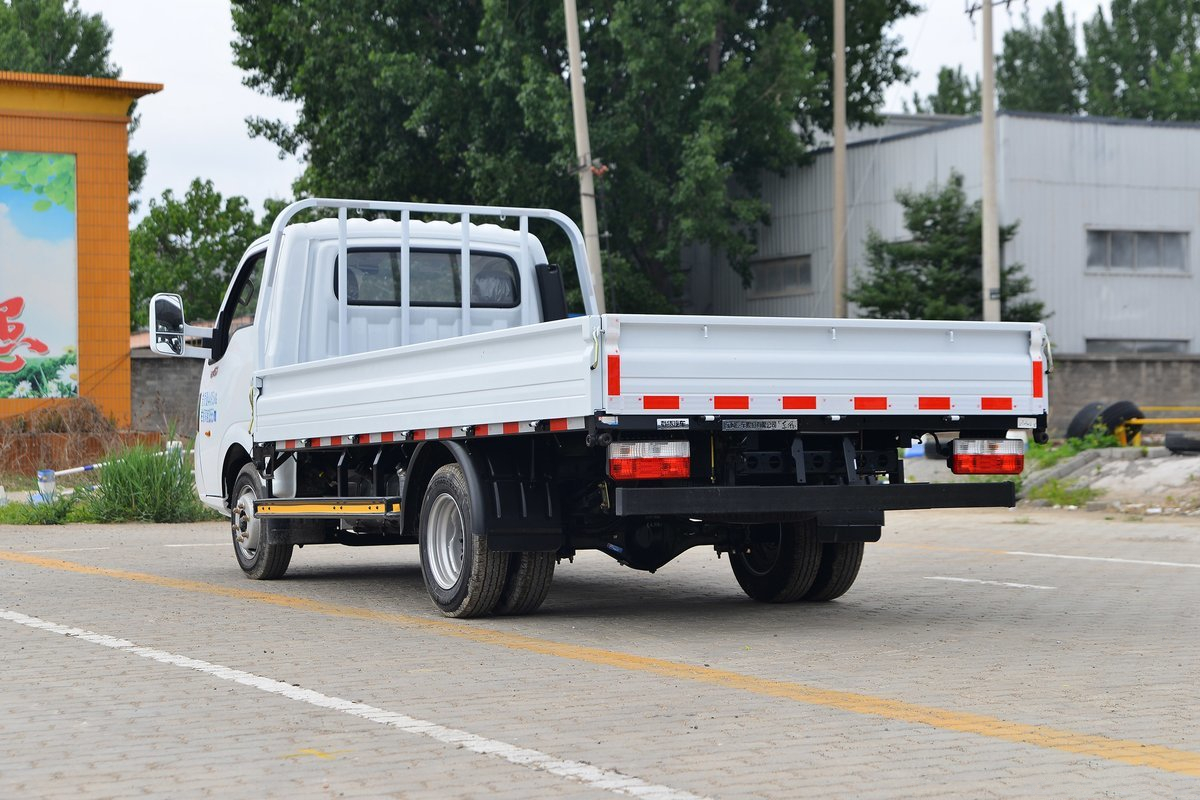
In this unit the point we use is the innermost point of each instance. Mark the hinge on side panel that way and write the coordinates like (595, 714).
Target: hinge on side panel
(596, 334)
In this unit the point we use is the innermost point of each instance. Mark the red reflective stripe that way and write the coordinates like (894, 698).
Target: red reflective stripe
(661, 402)
(806, 402)
(870, 404)
(290, 444)
(996, 403)
(558, 424)
(933, 403)
(483, 430)
(418, 435)
(614, 374)
(512, 427)
(445, 433)
(1038, 387)
(732, 402)
(386, 437)
(334, 441)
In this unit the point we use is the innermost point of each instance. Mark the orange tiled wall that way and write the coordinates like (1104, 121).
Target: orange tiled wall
(102, 219)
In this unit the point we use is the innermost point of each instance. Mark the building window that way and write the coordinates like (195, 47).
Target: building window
(781, 277)
(1137, 345)
(1141, 251)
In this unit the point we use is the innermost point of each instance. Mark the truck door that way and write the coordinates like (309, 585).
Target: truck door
(224, 409)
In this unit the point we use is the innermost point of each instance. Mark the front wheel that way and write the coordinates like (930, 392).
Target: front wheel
(463, 575)
(256, 555)
(778, 563)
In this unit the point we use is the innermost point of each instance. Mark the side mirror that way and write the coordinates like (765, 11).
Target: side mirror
(168, 331)
(166, 324)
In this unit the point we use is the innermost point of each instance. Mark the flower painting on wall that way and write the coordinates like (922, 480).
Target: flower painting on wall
(39, 307)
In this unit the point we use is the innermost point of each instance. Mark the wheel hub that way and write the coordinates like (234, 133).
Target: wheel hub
(246, 527)
(446, 541)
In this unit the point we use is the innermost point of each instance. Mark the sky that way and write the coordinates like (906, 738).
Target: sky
(196, 127)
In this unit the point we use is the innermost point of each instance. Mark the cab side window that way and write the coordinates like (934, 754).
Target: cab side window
(238, 311)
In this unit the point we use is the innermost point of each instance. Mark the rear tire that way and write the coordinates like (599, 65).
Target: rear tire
(463, 575)
(257, 556)
(527, 584)
(839, 568)
(778, 567)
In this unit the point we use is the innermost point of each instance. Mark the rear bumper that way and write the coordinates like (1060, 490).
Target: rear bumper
(741, 501)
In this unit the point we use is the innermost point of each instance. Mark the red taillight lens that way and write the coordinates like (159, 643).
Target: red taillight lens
(987, 456)
(634, 461)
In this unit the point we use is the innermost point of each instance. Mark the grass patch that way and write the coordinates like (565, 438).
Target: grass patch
(139, 485)
(1058, 493)
(1043, 456)
(135, 485)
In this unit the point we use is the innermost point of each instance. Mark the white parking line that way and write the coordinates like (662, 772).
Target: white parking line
(201, 544)
(67, 550)
(586, 774)
(1111, 560)
(988, 583)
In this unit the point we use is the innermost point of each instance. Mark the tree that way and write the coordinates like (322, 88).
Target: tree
(956, 94)
(1143, 62)
(936, 274)
(1039, 68)
(55, 37)
(688, 101)
(189, 246)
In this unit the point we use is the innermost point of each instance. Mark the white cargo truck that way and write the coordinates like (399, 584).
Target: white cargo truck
(402, 380)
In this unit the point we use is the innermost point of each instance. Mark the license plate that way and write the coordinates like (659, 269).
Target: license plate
(758, 424)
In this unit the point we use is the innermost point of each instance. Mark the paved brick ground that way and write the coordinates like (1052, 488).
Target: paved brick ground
(1113, 650)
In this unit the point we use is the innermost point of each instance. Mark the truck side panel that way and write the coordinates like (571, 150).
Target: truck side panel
(772, 366)
(532, 372)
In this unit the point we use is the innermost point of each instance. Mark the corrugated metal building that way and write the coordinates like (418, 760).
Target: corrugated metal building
(1108, 210)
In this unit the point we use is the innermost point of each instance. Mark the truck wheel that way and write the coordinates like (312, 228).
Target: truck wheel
(779, 568)
(527, 584)
(839, 567)
(464, 577)
(257, 557)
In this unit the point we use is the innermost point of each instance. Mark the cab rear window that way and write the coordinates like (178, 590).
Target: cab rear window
(435, 278)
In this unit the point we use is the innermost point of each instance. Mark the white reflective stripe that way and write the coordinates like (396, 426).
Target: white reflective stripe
(578, 771)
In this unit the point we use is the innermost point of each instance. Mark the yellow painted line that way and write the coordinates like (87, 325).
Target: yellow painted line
(1133, 753)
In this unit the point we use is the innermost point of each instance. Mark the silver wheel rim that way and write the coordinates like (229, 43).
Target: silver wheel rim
(246, 528)
(446, 541)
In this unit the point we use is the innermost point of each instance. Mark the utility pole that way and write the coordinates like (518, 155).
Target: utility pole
(583, 153)
(839, 158)
(991, 215)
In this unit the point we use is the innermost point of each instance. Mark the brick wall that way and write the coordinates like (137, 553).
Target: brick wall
(164, 391)
(1148, 380)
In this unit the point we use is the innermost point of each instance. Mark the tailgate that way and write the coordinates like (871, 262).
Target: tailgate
(792, 366)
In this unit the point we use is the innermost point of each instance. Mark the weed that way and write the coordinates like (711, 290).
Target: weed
(140, 485)
(57, 511)
(1042, 456)
(1058, 493)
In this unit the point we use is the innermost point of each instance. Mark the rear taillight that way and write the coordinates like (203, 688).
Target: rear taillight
(987, 456)
(636, 461)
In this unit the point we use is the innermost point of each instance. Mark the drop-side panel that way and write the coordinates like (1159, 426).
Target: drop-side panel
(772, 366)
(534, 372)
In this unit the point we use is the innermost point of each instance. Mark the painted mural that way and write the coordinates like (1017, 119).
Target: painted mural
(39, 309)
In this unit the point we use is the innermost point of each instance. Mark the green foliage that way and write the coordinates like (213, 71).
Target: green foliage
(1039, 68)
(467, 101)
(139, 485)
(51, 177)
(57, 510)
(937, 273)
(189, 246)
(57, 376)
(1062, 493)
(1142, 60)
(1044, 456)
(956, 94)
(55, 37)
